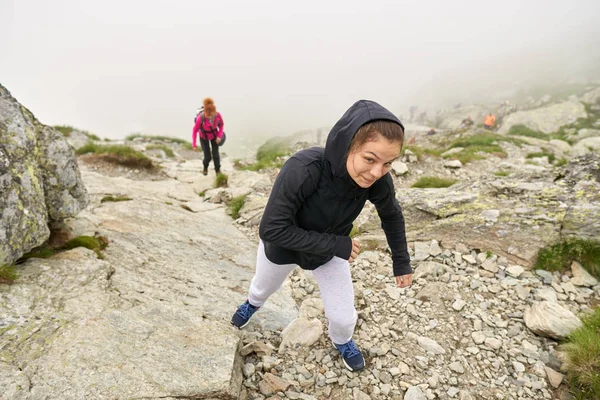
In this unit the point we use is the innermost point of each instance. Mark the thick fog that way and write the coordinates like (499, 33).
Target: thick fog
(117, 67)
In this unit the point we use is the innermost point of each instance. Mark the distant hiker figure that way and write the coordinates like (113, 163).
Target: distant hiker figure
(431, 132)
(489, 121)
(307, 221)
(467, 122)
(210, 125)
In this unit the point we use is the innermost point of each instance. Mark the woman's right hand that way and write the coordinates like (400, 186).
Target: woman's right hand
(355, 250)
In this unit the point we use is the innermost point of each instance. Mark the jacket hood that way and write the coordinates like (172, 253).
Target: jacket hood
(341, 135)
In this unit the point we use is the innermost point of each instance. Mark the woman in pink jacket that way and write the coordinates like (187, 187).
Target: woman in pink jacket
(210, 125)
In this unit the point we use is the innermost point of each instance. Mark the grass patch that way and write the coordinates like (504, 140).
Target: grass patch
(421, 151)
(561, 162)
(8, 274)
(433, 182)
(268, 154)
(158, 137)
(108, 199)
(202, 193)
(474, 147)
(502, 173)
(235, 205)
(582, 362)
(221, 180)
(522, 130)
(551, 157)
(162, 147)
(64, 129)
(118, 154)
(67, 129)
(559, 256)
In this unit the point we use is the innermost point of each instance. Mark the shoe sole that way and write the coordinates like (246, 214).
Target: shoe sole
(240, 327)
(346, 364)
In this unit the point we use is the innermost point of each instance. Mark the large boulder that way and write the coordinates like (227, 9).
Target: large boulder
(39, 180)
(546, 119)
(151, 319)
(514, 217)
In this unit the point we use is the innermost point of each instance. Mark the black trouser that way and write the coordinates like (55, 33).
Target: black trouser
(206, 145)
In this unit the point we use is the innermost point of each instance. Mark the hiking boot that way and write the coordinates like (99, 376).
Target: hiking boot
(218, 171)
(351, 355)
(205, 171)
(243, 314)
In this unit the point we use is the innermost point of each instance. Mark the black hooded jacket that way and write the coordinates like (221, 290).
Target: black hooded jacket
(314, 201)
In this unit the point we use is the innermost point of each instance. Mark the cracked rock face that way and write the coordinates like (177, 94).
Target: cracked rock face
(39, 180)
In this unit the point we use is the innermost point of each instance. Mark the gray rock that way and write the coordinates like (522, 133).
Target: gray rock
(414, 393)
(430, 345)
(546, 119)
(399, 168)
(301, 331)
(550, 319)
(581, 277)
(554, 378)
(40, 181)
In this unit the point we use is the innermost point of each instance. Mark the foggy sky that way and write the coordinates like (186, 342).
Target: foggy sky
(117, 67)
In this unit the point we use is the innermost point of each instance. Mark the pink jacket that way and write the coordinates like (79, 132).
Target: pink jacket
(209, 130)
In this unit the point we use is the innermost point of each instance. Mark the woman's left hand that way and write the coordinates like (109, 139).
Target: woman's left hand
(218, 140)
(404, 281)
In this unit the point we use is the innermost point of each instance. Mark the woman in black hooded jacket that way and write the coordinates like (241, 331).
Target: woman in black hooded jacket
(308, 218)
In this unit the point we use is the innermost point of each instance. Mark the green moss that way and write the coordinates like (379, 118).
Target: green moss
(433, 182)
(559, 256)
(562, 161)
(89, 242)
(501, 173)
(551, 157)
(221, 180)
(40, 252)
(355, 231)
(95, 243)
(235, 205)
(522, 130)
(582, 362)
(202, 193)
(106, 199)
(162, 147)
(8, 274)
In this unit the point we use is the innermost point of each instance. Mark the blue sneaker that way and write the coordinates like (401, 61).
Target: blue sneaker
(351, 355)
(242, 316)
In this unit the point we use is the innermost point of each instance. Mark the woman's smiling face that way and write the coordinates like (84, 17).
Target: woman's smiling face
(372, 160)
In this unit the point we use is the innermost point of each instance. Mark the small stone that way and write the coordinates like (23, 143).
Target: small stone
(457, 367)
(555, 378)
(458, 304)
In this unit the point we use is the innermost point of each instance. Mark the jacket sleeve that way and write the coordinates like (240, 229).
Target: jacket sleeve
(220, 125)
(278, 226)
(195, 130)
(392, 222)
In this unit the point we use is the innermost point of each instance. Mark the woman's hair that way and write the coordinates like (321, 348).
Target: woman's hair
(209, 107)
(391, 131)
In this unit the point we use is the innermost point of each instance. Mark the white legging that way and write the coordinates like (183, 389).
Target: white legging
(334, 282)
